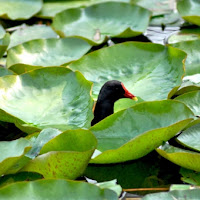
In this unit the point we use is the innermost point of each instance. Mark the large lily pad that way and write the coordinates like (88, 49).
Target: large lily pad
(64, 156)
(123, 136)
(49, 97)
(13, 157)
(150, 77)
(4, 72)
(189, 10)
(191, 99)
(184, 158)
(28, 33)
(192, 63)
(46, 52)
(55, 189)
(191, 137)
(19, 9)
(4, 42)
(96, 22)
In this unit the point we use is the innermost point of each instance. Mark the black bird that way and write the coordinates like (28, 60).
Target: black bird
(110, 92)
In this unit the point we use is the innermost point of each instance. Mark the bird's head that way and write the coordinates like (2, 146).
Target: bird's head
(115, 90)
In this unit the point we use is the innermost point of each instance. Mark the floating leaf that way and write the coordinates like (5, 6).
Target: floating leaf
(105, 18)
(160, 69)
(192, 63)
(13, 158)
(189, 10)
(4, 72)
(189, 84)
(191, 99)
(28, 33)
(20, 176)
(123, 136)
(189, 176)
(2, 31)
(49, 97)
(192, 194)
(184, 35)
(46, 52)
(19, 9)
(51, 8)
(65, 156)
(191, 137)
(55, 189)
(4, 42)
(184, 158)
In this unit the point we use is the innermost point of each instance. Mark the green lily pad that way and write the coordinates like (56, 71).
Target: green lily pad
(158, 7)
(13, 157)
(39, 140)
(65, 156)
(160, 69)
(184, 158)
(192, 63)
(189, 10)
(2, 31)
(51, 8)
(190, 137)
(189, 176)
(4, 72)
(191, 99)
(4, 42)
(46, 52)
(123, 136)
(192, 194)
(184, 35)
(52, 97)
(189, 84)
(28, 33)
(55, 189)
(95, 23)
(20, 176)
(19, 9)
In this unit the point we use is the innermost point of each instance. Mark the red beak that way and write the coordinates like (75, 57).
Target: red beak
(129, 95)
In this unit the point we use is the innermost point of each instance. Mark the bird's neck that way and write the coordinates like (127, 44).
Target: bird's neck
(103, 109)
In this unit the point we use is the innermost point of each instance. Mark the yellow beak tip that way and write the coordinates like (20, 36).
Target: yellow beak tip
(135, 98)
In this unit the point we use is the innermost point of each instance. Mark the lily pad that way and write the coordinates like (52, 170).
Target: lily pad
(184, 158)
(189, 176)
(28, 33)
(13, 157)
(191, 99)
(65, 156)
(4, 42)
(192, 63)
(184, 35)
(123, 136)
(95, 23)
(4, 72)
(52, 97)
(149, 77)
(46, 52)
(51, 8)
(55, 189)
(192, 194)
(189, 84)
(19, 9)
(189, 10)
(191, 137)
(2, 31)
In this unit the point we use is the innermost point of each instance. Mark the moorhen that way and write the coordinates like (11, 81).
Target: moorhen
(110, 92)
